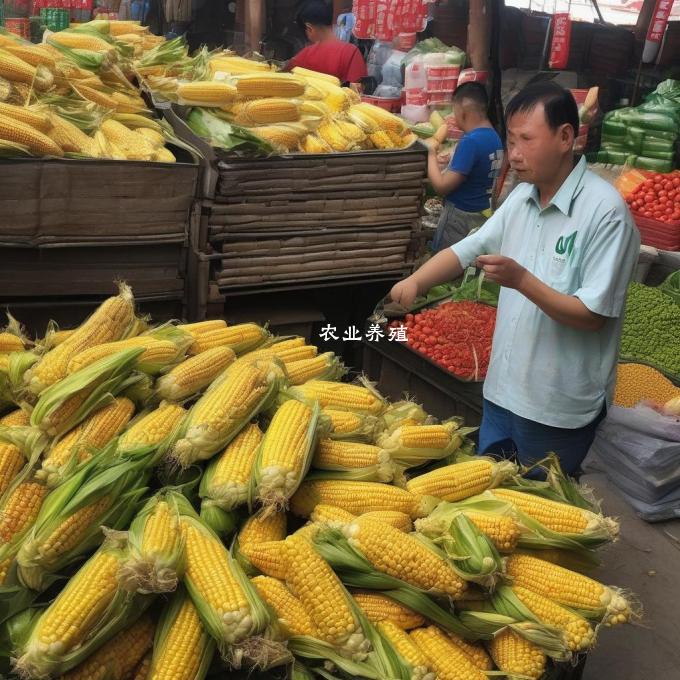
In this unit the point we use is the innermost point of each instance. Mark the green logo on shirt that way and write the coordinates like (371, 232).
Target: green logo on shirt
(566, 245)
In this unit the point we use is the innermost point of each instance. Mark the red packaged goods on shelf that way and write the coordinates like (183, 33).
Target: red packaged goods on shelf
(561, 41)
(19, 26)
(439, 97)
(469, 74)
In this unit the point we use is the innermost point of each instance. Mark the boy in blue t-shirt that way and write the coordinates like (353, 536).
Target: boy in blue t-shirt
(468, 181)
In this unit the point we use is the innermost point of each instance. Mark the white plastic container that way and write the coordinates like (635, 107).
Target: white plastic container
(415, 77)
(415, 114)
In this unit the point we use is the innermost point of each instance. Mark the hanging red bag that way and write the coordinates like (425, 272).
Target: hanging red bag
(561, 41)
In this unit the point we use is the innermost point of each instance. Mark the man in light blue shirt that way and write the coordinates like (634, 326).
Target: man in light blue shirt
(563, 246)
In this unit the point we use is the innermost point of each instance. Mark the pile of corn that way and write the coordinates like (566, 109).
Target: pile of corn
(258, 507)
(303, 111)
(72, 95)
(637, 383)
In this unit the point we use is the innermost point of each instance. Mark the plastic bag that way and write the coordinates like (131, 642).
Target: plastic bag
(651, 121)
(652, 164)
(391, 71)
(671, 286)
(453, 55)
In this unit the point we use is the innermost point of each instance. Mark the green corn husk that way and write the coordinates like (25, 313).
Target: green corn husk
(33, 660)
(273, 487)
(100, 381)
(89, 60)
(204, 649)
(147, 572)
(123, 483)
(398, 412)
(385, 472)
(196, 442)
(534, 535)
(557, 487)
(471, 554)
(168, 52)
(355, 571)
(365, 432)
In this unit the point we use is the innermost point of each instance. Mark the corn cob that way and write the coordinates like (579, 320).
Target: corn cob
(402, 556)
(267, 558)
(325, 366)
(361, 119)
(31, 54)
(95, 96)
(580, 636)
(35, 119)
(109, 322)
(16, 418)
(314, 144)
(72, 139)
(269, 85)
(559, 517)
(157, 353)
(230, 63)
(81, 41)
(183, 649)
(131, 143)
(12, 460)
(568, 588)
(118, 657)
(206, 93)
(399, 520)
(474, 650)
(381, 140)
(349, 425)
(340, 396)
(265, 111)
(314, 583)
(330, 132)
(226, 481)
(91, 435)
(10, 342)
(378, 607)
(220, 414)
(262, 528)
(194, 374)
(351, 131)
(151, 429)
(307, 73)
(288, 609)
(336, 455)
(215, 584)
(358, 498)
(516, 656)
(195, 329)
(462, 480)
(154, 137)
(444, 656)
(383, 119)
(282, 136)
(141, 670)
(13, 130)
(75, 612)
(336, 98)
(21, 509)
(240, 338)
(285, 453)
(17, 70)
(407, 650)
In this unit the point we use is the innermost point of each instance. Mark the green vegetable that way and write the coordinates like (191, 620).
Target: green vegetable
(651, 329)
(225, 135)
(671, 287)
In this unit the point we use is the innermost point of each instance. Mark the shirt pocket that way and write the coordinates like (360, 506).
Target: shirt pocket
(562, 275)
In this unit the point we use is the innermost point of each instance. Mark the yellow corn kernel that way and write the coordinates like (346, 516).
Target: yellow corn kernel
(378, 607)
(266, 110)
(403, 556)
(262, 528)
(151, 429)
(444, 656)
(21, 509)
(195, 329)
(461, 480)
(516, 656)
(270, 85)
(358, 498)
(38, 143)
(40, 122)
(268, 558)
(332, 454)
(240, 338)
(288, 609)
(399, 520)
(283, 459)
(206, 93)
(503, 531)
(315, 584)
(474, 650)
(638, 382)
(580, 636)
(194, 374)
(108, 323)
(341, 396)
(119, 656)
(405, 647)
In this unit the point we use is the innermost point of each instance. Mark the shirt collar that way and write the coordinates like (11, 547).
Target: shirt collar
(570, 189)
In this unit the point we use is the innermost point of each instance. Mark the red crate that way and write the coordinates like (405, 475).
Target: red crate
(662, 235)
(391, 104)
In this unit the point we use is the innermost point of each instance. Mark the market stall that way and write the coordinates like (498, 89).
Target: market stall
(95, 188)
(263, 514)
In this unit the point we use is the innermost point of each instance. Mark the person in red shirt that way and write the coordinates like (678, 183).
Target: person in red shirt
(326, 54)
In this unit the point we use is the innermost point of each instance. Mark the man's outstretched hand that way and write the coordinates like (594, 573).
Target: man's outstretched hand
(503, 270)
(405, 292)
